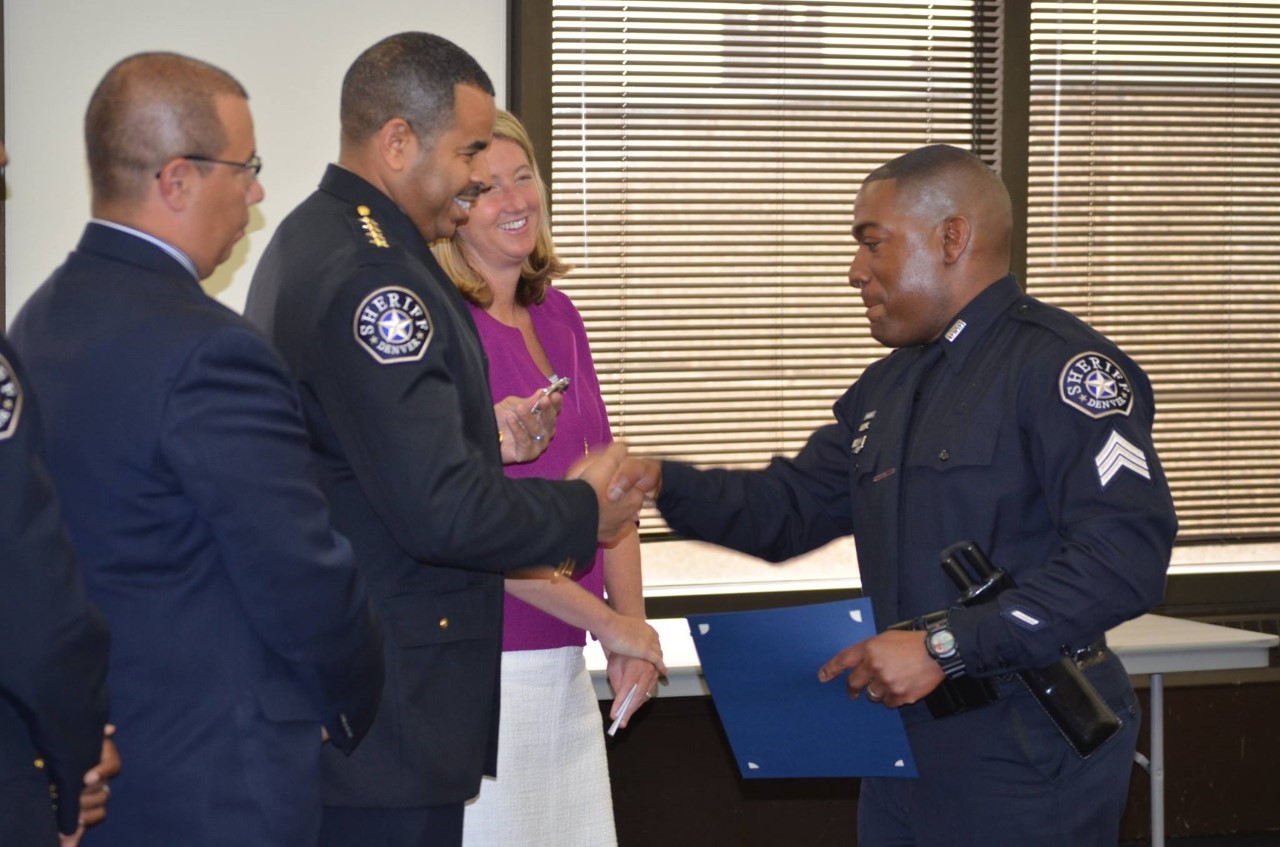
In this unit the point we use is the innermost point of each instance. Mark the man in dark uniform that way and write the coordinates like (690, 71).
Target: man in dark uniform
(998, 419)
(396, 393)
(53, 662)
(53, 665)
(241, 630)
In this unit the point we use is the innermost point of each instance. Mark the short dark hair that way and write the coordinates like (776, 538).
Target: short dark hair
(148, 109)
(946, 179)
(928, 162)
(411, 75)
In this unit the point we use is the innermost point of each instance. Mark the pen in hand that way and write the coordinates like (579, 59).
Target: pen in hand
(626, 704)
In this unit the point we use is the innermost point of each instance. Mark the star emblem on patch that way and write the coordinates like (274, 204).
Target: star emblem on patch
(1101, 386)
(392, 325)
(1095, 385)
(10, 400)
(395, 326)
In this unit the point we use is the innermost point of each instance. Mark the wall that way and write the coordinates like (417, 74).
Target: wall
(289, 55)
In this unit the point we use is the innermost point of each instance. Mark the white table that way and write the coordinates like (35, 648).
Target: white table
(1152, 644)
(1156, 645)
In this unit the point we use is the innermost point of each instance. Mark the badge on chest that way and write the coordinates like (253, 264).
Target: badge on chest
(861, 440)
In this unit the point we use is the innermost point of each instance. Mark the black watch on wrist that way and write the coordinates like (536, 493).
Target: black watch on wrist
(940, 643)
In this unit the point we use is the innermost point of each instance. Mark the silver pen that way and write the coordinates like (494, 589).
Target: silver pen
(626, 704)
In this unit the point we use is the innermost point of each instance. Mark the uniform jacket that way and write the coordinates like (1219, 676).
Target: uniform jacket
(1022, 429)
(396, 394)
(53, 644)
(239, 621)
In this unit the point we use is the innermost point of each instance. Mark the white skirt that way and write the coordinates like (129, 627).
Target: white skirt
(552, 788)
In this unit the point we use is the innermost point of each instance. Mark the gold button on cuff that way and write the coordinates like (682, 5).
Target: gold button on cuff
(444, 623)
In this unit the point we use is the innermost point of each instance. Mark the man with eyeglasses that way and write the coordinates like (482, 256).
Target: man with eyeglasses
(242, 634)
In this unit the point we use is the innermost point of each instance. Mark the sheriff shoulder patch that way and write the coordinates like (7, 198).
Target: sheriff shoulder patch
(392, 325)
(1096, 386)
(10, 400)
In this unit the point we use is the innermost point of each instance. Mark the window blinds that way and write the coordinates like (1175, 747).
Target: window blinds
(705, 159)
(1154, 214)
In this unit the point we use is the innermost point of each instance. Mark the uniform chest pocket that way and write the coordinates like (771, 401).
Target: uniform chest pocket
(956, 439)
(867, 458)
(421, 620)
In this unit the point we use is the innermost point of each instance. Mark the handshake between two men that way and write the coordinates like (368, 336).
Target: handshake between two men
(526, 427)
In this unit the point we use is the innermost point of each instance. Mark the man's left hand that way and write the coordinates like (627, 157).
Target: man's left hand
(892, 668)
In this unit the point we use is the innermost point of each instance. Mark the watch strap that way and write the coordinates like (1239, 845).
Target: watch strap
(952, 665)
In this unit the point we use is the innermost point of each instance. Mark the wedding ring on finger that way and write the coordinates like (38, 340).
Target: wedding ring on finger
(539, 438)
(873, 695)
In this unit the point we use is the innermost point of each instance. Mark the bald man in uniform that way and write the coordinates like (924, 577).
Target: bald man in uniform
(998, 419)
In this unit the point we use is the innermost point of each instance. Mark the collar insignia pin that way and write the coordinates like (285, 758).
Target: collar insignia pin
(371, 228)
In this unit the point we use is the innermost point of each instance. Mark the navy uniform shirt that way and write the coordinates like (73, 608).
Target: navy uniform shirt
(395, 390)
(1022, 429)
(53, 644)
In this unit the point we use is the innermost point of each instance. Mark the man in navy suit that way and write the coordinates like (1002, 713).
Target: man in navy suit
(241, 630)
(53, 645)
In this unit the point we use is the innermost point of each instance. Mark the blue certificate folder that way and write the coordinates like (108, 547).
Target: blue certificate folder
(762, 669)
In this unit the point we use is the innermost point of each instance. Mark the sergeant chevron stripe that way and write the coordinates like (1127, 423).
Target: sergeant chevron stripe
(1116, 455)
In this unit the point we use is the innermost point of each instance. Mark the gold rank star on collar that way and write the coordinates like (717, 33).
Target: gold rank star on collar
(371, 228)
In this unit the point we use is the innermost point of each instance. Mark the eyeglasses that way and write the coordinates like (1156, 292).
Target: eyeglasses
(253, 163)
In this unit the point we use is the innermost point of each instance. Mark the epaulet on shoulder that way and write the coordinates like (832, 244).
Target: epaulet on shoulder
(370, 230)
(1029, 310)
(1059, 321)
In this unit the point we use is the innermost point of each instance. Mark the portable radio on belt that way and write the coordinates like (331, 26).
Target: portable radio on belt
(1062, 690)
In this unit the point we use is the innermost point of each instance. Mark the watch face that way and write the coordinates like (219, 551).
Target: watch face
(942, 644)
